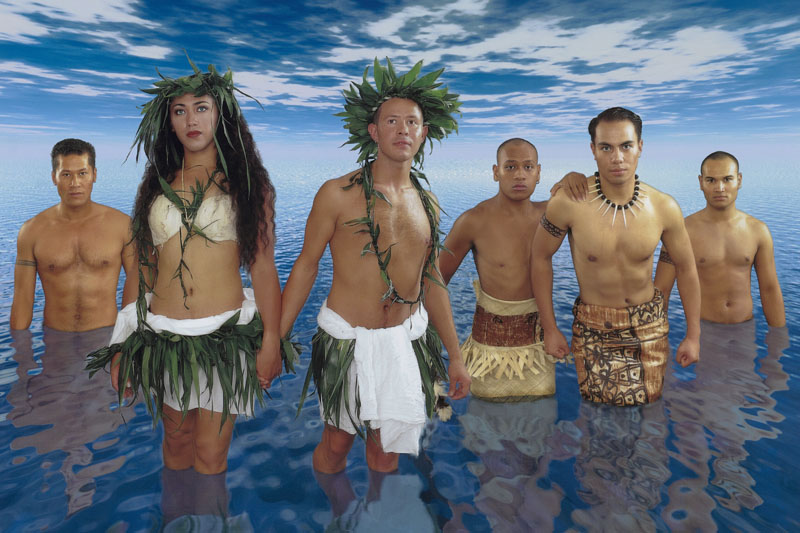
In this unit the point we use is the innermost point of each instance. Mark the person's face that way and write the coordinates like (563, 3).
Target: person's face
(398, 131)
(616, 150)
(720, 182)
(194, 121)
(74, 178)
(517, 170)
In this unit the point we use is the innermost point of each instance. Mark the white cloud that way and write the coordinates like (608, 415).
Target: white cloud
(273, 87)
(112, 75)
(79, 89)
(22, 68)
(17, 28)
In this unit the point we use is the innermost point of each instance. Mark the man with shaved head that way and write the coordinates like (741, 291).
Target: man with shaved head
(727, 244)
(505, 352)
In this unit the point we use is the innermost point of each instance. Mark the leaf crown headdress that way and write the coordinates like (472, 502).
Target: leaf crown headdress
(362, 101)
(155, 120)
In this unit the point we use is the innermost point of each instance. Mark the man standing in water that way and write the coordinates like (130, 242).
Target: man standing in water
(620, 330)
(76, 247)
(505, 353)
(373, 362)
(727, 244)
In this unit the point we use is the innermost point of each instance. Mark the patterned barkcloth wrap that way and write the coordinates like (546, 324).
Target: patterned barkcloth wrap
(505, 353)
(621, 354)
(207, 363)
(378, 378)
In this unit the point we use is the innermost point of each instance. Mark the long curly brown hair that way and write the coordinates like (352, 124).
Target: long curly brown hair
(253, 227)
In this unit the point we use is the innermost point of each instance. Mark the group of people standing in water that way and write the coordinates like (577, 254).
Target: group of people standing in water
(201, 349)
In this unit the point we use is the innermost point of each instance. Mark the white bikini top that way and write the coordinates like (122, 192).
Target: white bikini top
(215, 217)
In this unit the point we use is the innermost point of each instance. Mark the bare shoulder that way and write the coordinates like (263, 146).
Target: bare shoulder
(665, 204)
(756, 227)
(113, 215)
(32, 226)
(539, 208)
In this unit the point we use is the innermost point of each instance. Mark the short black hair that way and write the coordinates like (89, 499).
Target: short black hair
(515, 140)
(70, 147)
(616, 114)
(719, 154)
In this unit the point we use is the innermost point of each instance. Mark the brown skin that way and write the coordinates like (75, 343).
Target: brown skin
(727, 244)
(77, 248)
(213, 287)
(357, 286)
(499, 230)
(614, 264)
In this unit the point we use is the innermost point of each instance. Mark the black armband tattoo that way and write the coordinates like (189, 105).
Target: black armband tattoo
(551, 228)
(665, 257)
(26, 263)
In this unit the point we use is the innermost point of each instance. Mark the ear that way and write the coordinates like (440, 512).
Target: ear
(373, 131)
(641, 143)
(594, 153)
(94, 175)
(53, 176)
(700, 180)
(538, 172)
(494, 172)
(740, 181)
(424, 132)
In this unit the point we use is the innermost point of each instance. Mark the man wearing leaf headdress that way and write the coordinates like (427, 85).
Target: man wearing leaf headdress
(374, 359)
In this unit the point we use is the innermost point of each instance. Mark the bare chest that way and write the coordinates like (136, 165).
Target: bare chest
(714, 248)
(505, 243)
(603, 239)
(77, 249)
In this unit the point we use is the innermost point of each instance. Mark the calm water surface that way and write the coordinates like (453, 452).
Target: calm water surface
(716, 453)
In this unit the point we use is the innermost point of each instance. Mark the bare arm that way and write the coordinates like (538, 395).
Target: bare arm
(129, 261)
(676, 239)
(575, 185)
(319, 230)
(24, 280)
(267, 291)
(665, 275)
(437, 302)
(546, 241)
(458, 243)
(768, 285)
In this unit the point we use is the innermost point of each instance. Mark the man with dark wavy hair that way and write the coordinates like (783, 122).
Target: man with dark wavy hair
(619, 335)
(76, 247)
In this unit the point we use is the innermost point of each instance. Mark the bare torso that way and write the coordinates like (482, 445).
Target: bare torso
(724, 254)
(211, 278)
(614, 265)
(78, 262)
(357, 285)
(502, 246)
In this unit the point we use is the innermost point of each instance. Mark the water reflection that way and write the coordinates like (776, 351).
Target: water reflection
(73, 410)
(511, 442)
(728, 404)
(191, 501)
(620, 465)
(392, 503)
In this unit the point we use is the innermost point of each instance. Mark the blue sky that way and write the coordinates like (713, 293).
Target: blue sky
(701, 74)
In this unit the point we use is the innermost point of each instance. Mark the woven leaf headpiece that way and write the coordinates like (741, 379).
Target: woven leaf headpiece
(362, 101)
(155, 120)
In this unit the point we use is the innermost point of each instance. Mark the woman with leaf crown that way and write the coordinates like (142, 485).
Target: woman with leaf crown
(200, 347)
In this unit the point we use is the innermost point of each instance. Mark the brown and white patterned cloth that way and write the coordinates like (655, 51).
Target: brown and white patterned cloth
(505, 353)
(621, 354)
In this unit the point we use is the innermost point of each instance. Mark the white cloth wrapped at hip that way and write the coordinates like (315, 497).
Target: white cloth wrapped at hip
(387, 379)
(210, 398)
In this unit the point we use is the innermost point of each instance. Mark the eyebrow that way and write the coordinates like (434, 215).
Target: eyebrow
(195, 103)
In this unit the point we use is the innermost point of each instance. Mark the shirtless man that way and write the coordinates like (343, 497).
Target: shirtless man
(77, 247)
(620, 330)
(727, 244)
(387, 330)
(504, 353)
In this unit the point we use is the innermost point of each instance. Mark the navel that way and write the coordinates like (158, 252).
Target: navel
(592, 258)
(628, 301)
(701, 260)
(51, 268)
